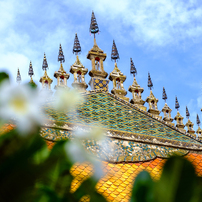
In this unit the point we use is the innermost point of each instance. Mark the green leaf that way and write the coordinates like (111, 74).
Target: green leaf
(177, 182)
(41, 155)
(48, 194)
(32, 85)
(143, 189)
(197, 196)
(3, 76)
(33, 173)
(18, 171)
(88, 188)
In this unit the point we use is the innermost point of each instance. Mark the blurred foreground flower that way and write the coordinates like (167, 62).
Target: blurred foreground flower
(75, 149)
(77, 153)
(67, 99)
(91, 133)
(22, 104)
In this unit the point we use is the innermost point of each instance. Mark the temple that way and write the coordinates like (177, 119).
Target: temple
(137, 137)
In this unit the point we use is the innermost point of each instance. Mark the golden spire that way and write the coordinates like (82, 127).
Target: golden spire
(97, 57)
(135, 89)
(77, 69)
(167, 110)
(179, 118)
(31, 72)
(61, 74)
(117, 77)
(190, 129)
(199, 131)
(152, 100)
(189, 124)
(45, 79)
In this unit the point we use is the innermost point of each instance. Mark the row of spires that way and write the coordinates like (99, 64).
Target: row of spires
(99, 81)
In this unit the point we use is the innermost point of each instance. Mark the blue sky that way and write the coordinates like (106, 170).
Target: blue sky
(164, 37)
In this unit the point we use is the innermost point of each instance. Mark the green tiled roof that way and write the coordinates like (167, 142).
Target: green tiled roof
(126, 122)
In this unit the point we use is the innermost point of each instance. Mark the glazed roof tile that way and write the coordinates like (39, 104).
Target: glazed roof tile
(124, 124)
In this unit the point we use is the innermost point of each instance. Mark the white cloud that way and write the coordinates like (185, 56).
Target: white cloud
(199, 101)
(30, 28)
(159, 22)
(6, 14)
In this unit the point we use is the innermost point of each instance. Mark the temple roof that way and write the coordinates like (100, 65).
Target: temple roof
(129, 130)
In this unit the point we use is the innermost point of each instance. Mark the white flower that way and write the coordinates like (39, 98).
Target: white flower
(77, 153)
(66, 99)
(91, 133)
(20, 103)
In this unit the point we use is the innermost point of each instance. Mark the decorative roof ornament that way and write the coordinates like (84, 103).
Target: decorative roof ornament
(31, 71)
(61, 57)
(114, 54)
(97, 57)
(133, 70)
(76, 47)
(198, 120)
(177, 105)
(45, 64)
(18, 79)
(187, 113)
(164, 97)
(93, 25)
(150, 84)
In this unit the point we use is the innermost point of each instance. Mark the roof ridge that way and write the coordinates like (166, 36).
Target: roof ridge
(111, 133)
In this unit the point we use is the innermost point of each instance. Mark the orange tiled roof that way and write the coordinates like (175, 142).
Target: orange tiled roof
(117, 184)
(6, 128)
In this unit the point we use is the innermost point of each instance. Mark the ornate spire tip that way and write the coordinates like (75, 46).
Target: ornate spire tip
(76, 47)
(18, 79)
(187, 113)
(61, 57)
(198, 120)
(31, 71)
(150, 84)
(114, 54)
(133, 70)
(93, 25)
(45, 64)
(164, 97)
(177, 105)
